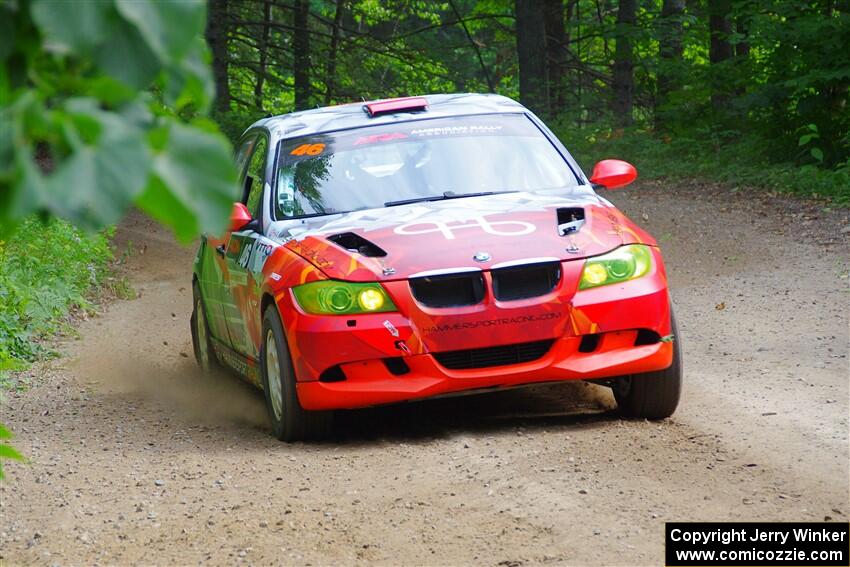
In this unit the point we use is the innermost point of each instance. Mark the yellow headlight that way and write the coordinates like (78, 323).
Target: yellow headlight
(371, 299)
(594, 274)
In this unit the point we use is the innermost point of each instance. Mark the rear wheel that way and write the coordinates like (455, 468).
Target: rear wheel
(201, 338)
(653, 395)
(290, 422)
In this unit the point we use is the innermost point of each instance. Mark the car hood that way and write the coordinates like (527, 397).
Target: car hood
(451, 235)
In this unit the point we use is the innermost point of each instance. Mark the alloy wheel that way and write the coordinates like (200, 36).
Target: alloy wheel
(273, 376)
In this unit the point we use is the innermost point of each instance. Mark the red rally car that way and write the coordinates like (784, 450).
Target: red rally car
(417, 247)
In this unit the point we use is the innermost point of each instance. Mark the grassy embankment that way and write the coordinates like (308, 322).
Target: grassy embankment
(47, 271)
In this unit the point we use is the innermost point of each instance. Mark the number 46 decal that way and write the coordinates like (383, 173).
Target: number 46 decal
(308, 150)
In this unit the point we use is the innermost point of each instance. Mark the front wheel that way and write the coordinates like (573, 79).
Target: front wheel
(290, 422)
(653, 395)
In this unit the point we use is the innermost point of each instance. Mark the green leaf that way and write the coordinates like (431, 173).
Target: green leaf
(126, 56)
(28, 191)
(817, 153)
(190, 82)
(805, 139)
(5, 433)
(137, 112)
(168, 26)
(194, 176)
(110, 91)
(7, 31)
(72, 26)
(99, 180)
(7, 452)
(161, 203)
(7, 141)
(158, 138)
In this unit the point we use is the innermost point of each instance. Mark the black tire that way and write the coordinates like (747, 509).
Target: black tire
(201, 337)
(290, 422)
(654, 395)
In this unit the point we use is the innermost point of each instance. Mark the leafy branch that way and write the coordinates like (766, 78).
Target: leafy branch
(112, 96)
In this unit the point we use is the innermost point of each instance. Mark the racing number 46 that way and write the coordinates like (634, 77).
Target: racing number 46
(308, 150)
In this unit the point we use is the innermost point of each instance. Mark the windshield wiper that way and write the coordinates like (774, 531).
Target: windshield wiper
(445, 196)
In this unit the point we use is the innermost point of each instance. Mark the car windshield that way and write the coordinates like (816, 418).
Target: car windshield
(404, 162)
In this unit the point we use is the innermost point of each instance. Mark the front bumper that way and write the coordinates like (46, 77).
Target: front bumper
(369, 383)
(359, 345)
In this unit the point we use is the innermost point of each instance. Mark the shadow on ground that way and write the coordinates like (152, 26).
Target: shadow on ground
(572, 404)
(223, 400)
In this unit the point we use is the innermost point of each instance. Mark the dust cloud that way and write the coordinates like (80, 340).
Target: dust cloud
(181, 388)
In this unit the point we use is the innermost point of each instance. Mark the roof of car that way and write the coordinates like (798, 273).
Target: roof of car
(353, 115)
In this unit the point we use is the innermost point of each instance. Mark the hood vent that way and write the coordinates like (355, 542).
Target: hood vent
(570, 220)
(353, 242)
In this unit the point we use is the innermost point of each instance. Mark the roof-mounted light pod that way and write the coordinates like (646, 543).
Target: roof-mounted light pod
(390, 106)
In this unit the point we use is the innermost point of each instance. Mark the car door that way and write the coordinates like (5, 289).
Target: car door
(246, 252)
(213, 273)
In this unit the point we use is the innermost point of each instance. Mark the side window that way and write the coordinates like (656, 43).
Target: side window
(256, 172)
(242, 154)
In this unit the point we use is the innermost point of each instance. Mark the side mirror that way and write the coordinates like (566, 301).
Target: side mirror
(613, 173)
(239, 217)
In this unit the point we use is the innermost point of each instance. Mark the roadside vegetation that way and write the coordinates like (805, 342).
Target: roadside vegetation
(47, 269)
(738, 161)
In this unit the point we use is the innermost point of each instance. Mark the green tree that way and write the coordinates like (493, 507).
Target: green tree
(102, 107)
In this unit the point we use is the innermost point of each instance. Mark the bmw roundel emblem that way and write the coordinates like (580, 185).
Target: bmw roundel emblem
(481, 257)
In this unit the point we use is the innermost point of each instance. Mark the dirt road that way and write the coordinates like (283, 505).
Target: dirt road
(134, 458)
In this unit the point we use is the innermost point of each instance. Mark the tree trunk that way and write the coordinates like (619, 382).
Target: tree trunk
(216, 34)
(720, 48)
(330, 72)
(556, 49)
(579, 100)
(623, 80)
(742, 48)
(669, 51)
(531, 55)
(301, 59)
(262, 47)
